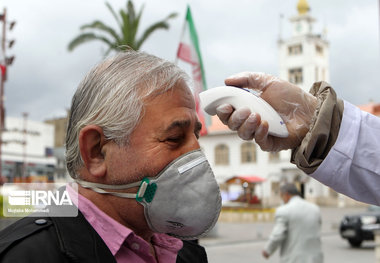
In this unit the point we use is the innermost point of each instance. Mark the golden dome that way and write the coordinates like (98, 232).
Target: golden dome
(303, 7)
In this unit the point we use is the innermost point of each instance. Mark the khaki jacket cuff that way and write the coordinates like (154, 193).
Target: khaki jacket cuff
(323, 130)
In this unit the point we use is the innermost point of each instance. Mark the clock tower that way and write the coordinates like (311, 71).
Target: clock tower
(304, 56)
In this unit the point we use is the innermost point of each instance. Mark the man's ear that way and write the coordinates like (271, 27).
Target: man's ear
(91, 141)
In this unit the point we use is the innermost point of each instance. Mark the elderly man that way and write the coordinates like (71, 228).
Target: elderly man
(144, 185)
(297, 229)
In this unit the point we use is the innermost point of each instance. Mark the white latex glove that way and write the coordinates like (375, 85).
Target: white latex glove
(295, 106)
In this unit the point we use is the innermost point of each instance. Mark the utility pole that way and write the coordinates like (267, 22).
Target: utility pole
(4, 62)
(2, 115)
(24, 175)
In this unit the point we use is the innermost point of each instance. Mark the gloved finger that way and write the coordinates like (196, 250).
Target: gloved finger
(248, 128)
(224, 112)
(253, 80)
(238, 80)
(238, 117)
(261, 137)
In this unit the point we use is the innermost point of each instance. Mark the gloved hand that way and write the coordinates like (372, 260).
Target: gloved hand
(295, 106)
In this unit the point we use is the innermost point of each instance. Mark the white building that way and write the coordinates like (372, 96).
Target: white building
(303, 60)
(27, 150)
(230, 157)
(304, 57)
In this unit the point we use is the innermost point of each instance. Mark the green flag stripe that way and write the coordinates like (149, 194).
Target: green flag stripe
(194, 39)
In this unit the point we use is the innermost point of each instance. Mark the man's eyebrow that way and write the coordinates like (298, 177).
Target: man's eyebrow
(178, 124)
(184, 124)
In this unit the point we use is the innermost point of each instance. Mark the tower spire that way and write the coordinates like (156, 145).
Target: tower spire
(303, 7)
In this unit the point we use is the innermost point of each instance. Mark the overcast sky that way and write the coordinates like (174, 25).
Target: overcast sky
(238, 35)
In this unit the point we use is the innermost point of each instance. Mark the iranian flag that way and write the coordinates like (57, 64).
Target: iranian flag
(189, 52)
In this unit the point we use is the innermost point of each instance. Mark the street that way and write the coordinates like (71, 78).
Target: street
(243, 242)
(334, 248)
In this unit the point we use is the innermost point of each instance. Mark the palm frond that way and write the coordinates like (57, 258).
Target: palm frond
(114, 14)
(163, 24)
(99, 25)
(125, 29)
(131, 11)
(86, 37)
(172, 15)
(150, 30)
(128, 20)
(140, 12)
(134, 25)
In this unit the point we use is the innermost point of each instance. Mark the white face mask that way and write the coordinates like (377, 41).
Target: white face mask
(183, 200)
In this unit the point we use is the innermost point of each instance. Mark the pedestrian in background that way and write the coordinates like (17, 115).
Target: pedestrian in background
(297, 229)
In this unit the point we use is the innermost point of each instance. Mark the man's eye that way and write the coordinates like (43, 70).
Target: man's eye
(174, 139)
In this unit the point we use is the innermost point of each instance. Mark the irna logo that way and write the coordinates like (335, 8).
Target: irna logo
(38, 197)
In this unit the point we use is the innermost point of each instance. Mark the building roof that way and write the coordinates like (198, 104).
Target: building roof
(372, 107)
(240, 179)
(217, 126)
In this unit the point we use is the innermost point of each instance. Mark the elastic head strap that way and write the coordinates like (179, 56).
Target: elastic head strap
(101, 191)
(107, 186)
(146, 190)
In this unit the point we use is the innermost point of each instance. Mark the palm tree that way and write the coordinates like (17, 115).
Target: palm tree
(128, 24)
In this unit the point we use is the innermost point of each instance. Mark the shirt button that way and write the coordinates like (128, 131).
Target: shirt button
(135, 246)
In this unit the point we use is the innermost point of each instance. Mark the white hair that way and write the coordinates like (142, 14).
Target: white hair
(112, 95)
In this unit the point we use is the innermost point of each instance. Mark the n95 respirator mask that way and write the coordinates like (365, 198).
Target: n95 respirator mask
(183, 200)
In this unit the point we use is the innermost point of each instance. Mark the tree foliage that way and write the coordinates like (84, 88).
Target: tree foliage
(125, 36)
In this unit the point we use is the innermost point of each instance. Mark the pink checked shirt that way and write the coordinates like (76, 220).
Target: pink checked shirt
(125, 245)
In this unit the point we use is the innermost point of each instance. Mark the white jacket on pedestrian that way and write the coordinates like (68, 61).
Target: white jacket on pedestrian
(352, 166)
(297, 232)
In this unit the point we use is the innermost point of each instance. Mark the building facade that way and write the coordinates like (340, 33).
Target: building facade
(27, 151)
(303, 60)
(60, 126)
(231, 157)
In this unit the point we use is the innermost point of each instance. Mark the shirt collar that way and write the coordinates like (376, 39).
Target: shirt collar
(294, 197)
(113, 233)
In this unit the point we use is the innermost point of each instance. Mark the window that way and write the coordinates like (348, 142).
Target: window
(295, 49)
(222, 155)
(248, 152)
(319, 50)
(274, 156)
(295, 75)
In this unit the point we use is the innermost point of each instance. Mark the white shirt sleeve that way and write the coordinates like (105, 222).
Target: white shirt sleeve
(352, 167)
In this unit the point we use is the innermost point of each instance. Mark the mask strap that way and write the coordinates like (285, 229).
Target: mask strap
(146, 190)
(107, 186)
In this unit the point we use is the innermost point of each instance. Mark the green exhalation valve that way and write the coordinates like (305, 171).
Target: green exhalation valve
(146, 191)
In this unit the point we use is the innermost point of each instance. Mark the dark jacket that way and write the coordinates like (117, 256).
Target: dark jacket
(66, 239)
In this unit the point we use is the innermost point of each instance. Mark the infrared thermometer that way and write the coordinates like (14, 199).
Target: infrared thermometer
(241, 97)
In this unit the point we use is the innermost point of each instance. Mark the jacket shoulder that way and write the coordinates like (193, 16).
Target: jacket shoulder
(27, 238)
(191, 252)
(21, 229)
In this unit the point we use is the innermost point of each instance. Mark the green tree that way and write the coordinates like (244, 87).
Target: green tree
(128, 24)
